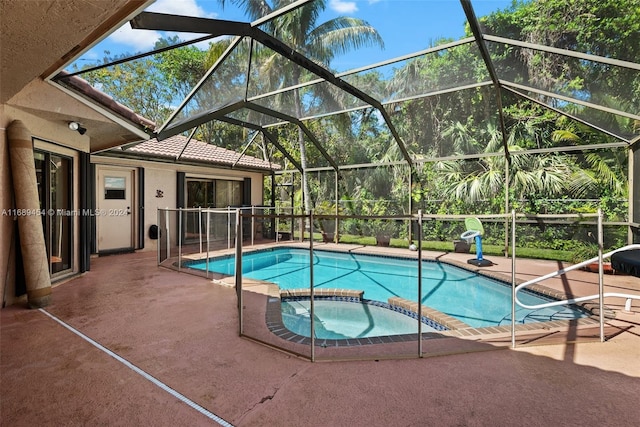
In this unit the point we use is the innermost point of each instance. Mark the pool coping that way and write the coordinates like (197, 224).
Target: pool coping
(408, 308)
(277, 327)
(456, 328)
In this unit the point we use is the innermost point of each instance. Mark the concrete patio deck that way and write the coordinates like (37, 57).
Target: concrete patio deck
(181, 330)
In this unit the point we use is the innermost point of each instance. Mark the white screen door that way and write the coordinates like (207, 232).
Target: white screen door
(114, 209)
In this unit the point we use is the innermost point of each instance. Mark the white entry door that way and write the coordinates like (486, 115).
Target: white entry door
(114, 208)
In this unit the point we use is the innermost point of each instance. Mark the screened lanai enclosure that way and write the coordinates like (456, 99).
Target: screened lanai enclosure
(534, 107)
(527, 116)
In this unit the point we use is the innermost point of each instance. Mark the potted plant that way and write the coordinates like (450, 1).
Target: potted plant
(381, 229)
(461, 246)
(327, 226)
(586, 251)
(328, 230)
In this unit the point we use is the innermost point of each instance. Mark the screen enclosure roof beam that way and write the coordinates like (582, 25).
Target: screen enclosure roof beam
(272, 138)
(486, 57)
(295, 121)
(166, 22)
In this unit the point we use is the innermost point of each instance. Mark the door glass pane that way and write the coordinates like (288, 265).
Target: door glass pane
(61, 204)
(228, 193)
(115, 187)
(199, 195)
(53, 175)
(42, 193)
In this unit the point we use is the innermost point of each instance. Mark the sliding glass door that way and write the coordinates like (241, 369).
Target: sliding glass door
(54, 175)
(210, 193)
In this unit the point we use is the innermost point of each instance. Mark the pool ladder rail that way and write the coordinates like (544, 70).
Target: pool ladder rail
(628, 297)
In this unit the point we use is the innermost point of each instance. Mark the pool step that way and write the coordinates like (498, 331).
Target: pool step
(305, 292)
(445, 320)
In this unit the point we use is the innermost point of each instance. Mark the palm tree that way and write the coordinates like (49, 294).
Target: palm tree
(483, 178)
(321, 42)
(600, 174)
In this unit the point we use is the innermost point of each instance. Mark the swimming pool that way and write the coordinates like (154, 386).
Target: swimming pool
(474, 299)
(342, 319)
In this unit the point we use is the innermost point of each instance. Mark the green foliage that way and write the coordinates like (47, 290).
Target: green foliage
(447, 246)
(583, 252)
(455, 137)
(140, 85)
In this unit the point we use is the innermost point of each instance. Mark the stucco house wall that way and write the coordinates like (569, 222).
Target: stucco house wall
(46, 111)
(50, 132)
(160, 178)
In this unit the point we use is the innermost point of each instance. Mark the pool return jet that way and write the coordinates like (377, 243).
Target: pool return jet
(475, 230)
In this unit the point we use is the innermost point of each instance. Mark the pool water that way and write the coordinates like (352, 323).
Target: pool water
(342, 319)
(474, 299)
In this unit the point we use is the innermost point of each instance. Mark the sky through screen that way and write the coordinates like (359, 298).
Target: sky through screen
(406, 26)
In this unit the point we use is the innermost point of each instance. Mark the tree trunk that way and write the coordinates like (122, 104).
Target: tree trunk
(303, 156)
(303, 163)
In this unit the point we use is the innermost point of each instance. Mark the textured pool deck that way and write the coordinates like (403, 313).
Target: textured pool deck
(181, 331)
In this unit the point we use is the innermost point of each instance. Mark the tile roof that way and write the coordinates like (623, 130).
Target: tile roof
(82, 86)
(198, 151)
(170, 147)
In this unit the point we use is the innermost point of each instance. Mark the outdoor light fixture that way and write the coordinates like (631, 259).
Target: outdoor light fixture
(78, 127)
